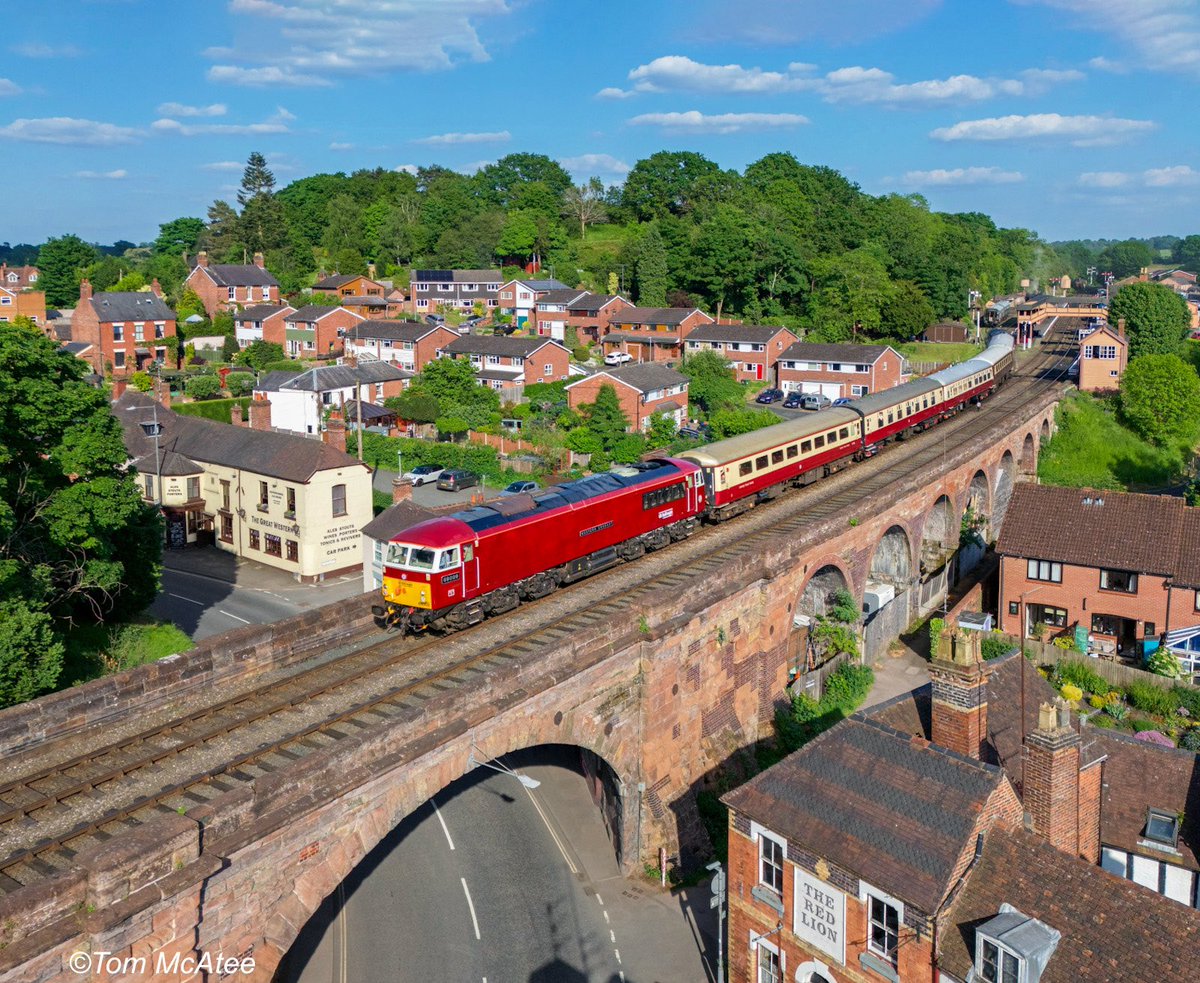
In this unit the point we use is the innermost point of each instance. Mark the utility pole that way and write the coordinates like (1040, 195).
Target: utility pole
(718, 901)
(358, 403)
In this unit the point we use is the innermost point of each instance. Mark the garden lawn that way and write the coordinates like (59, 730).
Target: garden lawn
(933, 351)
(1092, 450)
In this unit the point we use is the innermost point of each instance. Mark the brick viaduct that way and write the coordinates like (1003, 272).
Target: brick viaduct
(667, 684)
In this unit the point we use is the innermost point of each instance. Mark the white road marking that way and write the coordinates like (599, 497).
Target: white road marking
(471, 905)
(621, 973)
(198, 604)
(605, 916)
(234, 617)
(443, 822)
(612, 936)
(601, 900)
(617, 953)
(553, 835)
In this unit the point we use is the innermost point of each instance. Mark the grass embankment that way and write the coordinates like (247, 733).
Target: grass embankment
(100, 650)
(933, 351)
(214, 409)
(1092, 449)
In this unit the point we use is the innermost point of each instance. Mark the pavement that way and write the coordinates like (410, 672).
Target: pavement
(206, 591)
(903, 668)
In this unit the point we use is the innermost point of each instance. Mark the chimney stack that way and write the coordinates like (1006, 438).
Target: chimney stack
(370, 271)
(260, 412)
(85, 289)
(1051, 783)
(235, 414)
(118, 388)
(335, 430)
(959, 689)
(1121, 326)
(258, 260)
(156, 288)
(401, 491)
(202, 259)
(162, 393)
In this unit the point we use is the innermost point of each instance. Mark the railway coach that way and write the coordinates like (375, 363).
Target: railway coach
(451, 572)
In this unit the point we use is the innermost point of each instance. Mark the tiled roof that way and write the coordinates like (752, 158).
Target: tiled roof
(644, 376)
(647, 338)
(809, 351)
(565, 296)
(364, 300)
(240, 275)
(653, 315)
(335, 281)
(593, 302)
(260, 312)
(1112, 929)
(389, 330)
(169, 463)
(278, 455)
(314, 312)
(455, 276)
(137, 306)
(506, 346)
(1092, 528)
(324, 378)
(897, 811)
(758, 334)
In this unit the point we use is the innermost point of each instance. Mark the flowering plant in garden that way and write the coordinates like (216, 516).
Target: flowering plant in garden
(1071, 693)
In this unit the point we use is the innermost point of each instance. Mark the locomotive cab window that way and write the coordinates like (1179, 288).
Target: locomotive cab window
(745, 468)
(448, 558)
(777, 457)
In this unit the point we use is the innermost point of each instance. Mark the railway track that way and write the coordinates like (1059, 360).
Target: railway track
(87, 797)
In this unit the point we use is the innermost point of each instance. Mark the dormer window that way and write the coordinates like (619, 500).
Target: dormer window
(1162, 827)
(1013, 948)
(997, 964)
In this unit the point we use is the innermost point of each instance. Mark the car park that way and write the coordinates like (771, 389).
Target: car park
(456, 479)
(814, 401)
(792, 400)
(617, 358)
(424, 473)
(770, 396)
(434, 319)
(520, 488)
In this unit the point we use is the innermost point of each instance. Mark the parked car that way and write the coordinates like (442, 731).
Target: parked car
(843, 401)
(814, 401)
(424, 473)
(792, 400)
(456, 479)
(770, 396)
(617, 358)
(473, 320)
(521, 488)
(434, 319)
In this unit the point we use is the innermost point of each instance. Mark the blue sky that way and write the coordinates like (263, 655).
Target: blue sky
(1075, 118)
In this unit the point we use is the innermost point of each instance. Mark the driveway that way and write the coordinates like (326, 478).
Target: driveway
(429, 495)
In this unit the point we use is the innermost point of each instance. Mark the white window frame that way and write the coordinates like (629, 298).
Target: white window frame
(760, 834)
(1044, 571)
(859, 390)
(6, 300)
(761, 946)
(1002, 950)
(547, 369)
(865, 893)
(422, 288)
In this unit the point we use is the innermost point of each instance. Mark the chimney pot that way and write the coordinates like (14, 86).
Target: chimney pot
(85, 289)
(235, 414)
(156, 288)
(202, 258)
(258, 260)
(260, 412)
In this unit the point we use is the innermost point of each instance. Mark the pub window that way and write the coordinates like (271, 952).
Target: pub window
(770, 852)
(770, 968)
(1148, 630)
(777, 457)
(1119, 580)
(997, 964)
(819, 440)
(884, 934)
(193, 521)
(793, 451)
(225, 495)
(339, 500)
(293, 550)
(274, 545)
(254, 539)
(263, 501)
(806, 446)
(193, 488)
(291, 503)
(760, 463)
(149, 485)
(745, 468)
(227, 529)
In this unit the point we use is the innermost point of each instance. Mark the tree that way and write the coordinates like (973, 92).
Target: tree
(1160, 399)
(584, 204)
(452, 382)
(76, 540)
(239, 384)
(503, 180)
(200, 387)
(1156, 318)
(519, 235)
(666, 183)
(60, 261)
(257, 179)
(231, 349)
(652, 269)
(222, 238)
(262, 224)
(1187, 253)
(31, 652)
(1126, 258)
(605, 419)
(259, 354)
(413, 407)
(731, 422)
(662, 430)
(712, 384)
(906, 312)
(178, 236)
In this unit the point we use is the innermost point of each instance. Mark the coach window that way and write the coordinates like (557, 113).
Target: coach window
(745, 468)
(807, 446)
(776, 457)
(760, 463)
(793, 451)
(819, 440)
(831, 437)
(844, 433)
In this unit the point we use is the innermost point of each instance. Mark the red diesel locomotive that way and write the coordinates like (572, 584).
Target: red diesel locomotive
(451, 572)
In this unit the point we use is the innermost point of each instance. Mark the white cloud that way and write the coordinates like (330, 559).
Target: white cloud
(1103, 179)
(9, 88)
(1102, 64)
(446, 139)
(1170, 177)
(406, 168)
(962, 176)
(1081, 131)
(612, 92)
(341, 146)
(853, 84)
(586, 165)
(474, 167)
(116, 175)
(223, 165)
(40, 49)
(694, 121)
(1162, 35)
(315, 42)
(180, 109)
(68, 131)
(277, 122)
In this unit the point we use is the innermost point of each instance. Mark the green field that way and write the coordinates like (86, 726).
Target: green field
(930, 351)
(1093, 450)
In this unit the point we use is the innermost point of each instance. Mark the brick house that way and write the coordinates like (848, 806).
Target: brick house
(591, 314)
(874, 853)
(643, 390)
(1122, 567)
(315, 331)
(752, 350)
(455, 290)
(228, 286)
(261, 322)
(839, 370)
(518, 297)
(409, 345)
(652, 334)
(19, 296)
(1103, 355)
(506, 362)
(124, 331)
(551, 312)
(349, 285)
